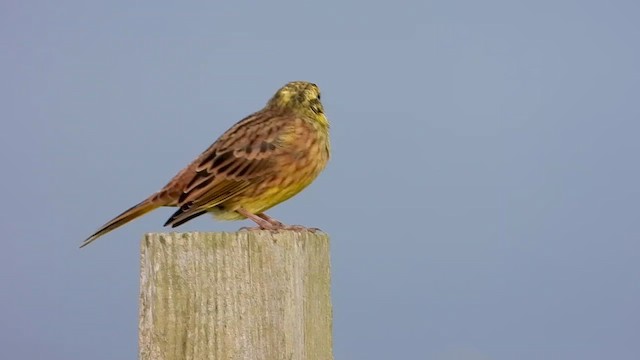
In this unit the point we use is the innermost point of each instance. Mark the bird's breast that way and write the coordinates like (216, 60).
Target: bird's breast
(295, 167)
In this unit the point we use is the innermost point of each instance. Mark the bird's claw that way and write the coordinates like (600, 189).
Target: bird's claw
(281, 227)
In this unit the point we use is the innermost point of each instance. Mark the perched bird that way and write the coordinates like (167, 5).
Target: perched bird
(261, 161)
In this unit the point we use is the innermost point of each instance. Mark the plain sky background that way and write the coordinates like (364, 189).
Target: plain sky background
(482, 198)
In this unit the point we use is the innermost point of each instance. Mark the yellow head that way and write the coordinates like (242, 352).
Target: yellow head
(301, 97)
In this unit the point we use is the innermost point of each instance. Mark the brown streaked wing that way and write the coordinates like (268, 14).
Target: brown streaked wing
(238, 159)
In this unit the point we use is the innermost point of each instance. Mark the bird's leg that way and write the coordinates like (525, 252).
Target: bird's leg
(266, 222)
(263, 224)
(271, 220)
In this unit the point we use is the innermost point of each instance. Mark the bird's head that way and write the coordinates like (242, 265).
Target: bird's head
(301, 97)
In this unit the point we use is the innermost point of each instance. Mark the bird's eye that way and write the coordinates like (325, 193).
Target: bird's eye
(318, 96)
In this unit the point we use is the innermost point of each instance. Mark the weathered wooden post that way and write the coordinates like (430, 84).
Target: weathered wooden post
(255, 295)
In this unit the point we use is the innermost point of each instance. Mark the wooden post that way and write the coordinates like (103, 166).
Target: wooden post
(252, 295)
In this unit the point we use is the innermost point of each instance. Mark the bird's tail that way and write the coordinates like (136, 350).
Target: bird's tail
(151, 203)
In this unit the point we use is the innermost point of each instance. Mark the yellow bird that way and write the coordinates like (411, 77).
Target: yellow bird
(261, 161)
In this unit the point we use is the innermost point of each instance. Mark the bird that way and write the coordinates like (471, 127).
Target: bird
(261, 161)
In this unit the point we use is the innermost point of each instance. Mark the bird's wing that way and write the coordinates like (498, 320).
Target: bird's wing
(241, 157)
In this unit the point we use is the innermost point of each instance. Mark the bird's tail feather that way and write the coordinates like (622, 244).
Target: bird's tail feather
(151, 203)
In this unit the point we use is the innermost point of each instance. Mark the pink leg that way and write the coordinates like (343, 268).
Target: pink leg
(278, 225)
(263, 224)
(271, 220)
(266, 222)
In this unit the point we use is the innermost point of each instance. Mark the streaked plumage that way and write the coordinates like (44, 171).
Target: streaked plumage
(262, 160)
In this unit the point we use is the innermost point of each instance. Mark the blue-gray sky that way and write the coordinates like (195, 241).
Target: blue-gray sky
(483, 193)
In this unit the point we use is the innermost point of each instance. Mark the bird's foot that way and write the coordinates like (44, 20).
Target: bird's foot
(266, 222)
(282, 227)
(252, 228)
(300, 228)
